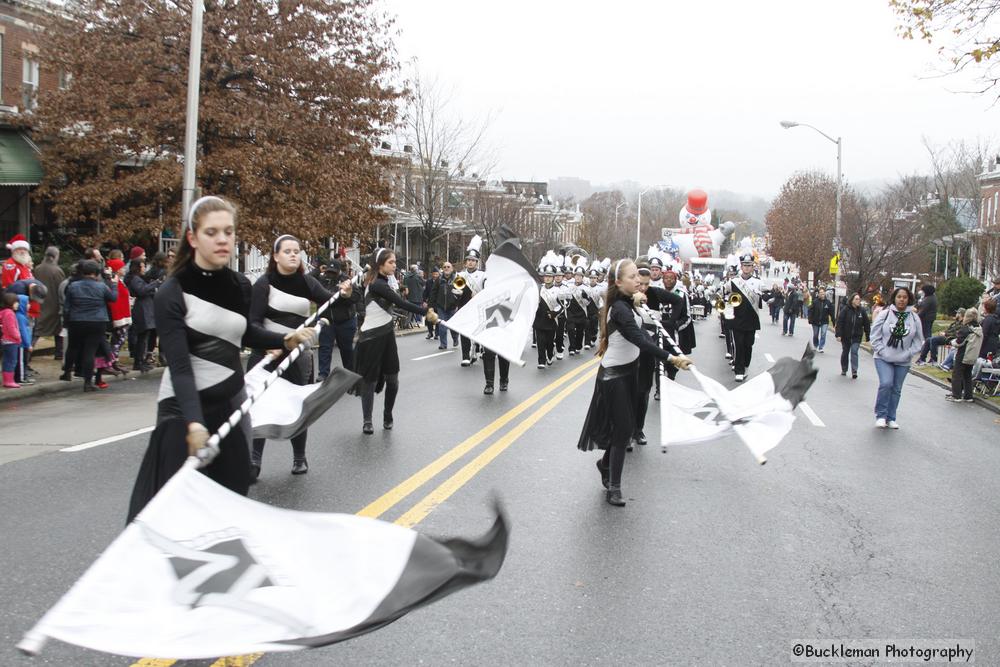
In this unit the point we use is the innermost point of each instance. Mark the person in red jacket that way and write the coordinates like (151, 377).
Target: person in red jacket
(121, 319)
(18, 267)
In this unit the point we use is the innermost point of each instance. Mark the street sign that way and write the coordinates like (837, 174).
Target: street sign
(836, 246)
(835, 264)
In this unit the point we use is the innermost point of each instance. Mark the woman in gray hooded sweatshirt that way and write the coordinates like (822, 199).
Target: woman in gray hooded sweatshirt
(896, 336)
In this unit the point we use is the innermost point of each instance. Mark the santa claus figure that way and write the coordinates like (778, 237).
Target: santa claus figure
(18, 267)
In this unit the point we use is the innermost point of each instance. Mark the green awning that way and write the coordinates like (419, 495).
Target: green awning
(19, 163)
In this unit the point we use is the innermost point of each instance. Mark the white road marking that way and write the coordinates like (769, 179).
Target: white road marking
(813, 417)
(108, 440)
(769, 358)
(428, 356)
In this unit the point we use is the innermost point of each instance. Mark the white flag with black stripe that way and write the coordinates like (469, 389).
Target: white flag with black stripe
(759, 411)
(500, 317)
(286, 409)
(203, 572)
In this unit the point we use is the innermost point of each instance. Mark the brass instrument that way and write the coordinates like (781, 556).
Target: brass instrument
(735, 300)
(718, 303)
(459, 283)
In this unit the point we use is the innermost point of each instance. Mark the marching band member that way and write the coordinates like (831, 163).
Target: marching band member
(577, 311)
(669, 305)
(655, 271)
(684, 333)
(280, 302)
(202, 315)
(546, 316)
(745, 321)
(593, 308)
(473, 279)
(610, 420)
(377, 360)
(561, 286)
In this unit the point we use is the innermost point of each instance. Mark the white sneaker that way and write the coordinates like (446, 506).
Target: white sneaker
(728, 356)
(820, 350)
(740, 377)
(880, 422)
(893, 425)
(466, 362)
(559, 356)
(540, 366)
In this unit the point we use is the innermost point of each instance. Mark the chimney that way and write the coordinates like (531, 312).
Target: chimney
(407, 148)
(386, 145)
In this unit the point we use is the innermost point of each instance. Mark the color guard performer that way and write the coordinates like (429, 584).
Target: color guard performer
(610, 420)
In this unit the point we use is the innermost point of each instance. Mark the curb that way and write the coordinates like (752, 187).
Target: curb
(933, 380)
(59, 387)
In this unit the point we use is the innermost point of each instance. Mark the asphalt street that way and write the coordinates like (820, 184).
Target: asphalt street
(848, 532)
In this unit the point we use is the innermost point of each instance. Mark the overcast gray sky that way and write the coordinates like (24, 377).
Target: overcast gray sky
(690, 93)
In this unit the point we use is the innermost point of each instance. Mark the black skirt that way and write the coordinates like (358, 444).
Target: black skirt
(377, 357)
(611, 418)
(167, 452)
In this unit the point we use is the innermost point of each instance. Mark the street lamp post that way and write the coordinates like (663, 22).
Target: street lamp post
(616, 213)
(638, 222)
(788, 124)
(191, 122)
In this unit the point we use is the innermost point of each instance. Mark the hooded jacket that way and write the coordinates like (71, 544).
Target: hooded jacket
(881, 331)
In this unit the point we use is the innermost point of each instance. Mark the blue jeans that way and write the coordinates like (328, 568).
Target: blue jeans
(788, 323)
(931, 344)
(819, 335)
(443, 330)
(850, 350)
(890, 386)
(340, 334)
(416, 319)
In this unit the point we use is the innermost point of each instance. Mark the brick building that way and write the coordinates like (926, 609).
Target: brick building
(21, 77)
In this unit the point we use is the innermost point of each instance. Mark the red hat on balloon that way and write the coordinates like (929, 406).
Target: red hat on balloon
(18, 242)
(697, 202)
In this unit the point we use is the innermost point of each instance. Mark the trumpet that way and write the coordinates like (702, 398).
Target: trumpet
(735, 300)
(459, 283)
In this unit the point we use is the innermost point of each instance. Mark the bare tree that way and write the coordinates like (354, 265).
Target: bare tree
(493, 207)
(442, 147)
(601, 234)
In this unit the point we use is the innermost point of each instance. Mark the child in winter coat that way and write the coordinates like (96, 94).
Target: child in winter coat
(24, 325)
(967, 343)
(10, 338)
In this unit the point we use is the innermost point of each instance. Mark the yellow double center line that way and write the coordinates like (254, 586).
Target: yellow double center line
(575, 378)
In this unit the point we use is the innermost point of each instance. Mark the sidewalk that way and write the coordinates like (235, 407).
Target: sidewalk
(47, 381)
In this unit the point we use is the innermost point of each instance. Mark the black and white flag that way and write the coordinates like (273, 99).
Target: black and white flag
(760, 411)
(286, 408)
(203, 572)
(500, 317)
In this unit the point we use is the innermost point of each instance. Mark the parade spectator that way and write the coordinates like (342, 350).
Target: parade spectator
(137, 252)
(86, 313)
(10, 338)
(414, 283)
(853, 326)
(793, 304)
(143, 291)
(156, 272)
(445, 302)
(896, 335)
(820, 317)
(49, 322)
(121, 321)
(927, 310)
(776, 303)
(429, 288)
(966, 345)
(31, 293)
(932, 344)
(991, 337)
(878, 304)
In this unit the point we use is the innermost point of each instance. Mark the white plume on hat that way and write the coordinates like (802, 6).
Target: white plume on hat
(474, 250)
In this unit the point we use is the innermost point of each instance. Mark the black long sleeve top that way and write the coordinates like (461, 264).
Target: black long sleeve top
(202, 320)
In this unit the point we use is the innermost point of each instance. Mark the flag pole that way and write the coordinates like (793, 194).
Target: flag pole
(207, 454)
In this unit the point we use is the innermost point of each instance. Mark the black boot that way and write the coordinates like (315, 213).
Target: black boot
(614, 496)
(300, 467)
(640, 438)
(503, 384)
(367, 428)
(605, 473)
(254, 472)
(88, 386)
(488, 389)
(66, 377)
(387, 421)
